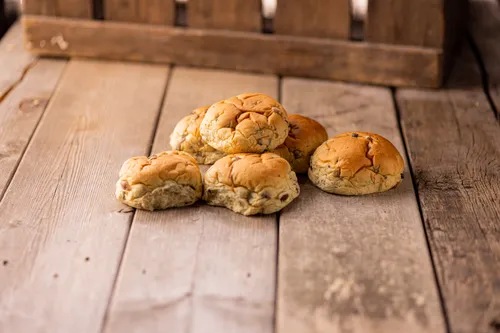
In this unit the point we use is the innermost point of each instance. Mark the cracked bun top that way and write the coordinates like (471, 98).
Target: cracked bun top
(356, 163)
(251, 183)
(168, 179)
(252, 171)
(247, 123)
(186, 137)
(304, 137)
(155, 170)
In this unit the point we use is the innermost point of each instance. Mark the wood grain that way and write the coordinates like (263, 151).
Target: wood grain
(201, 268)
(353, 264)
(243, 15)
(485, 27)
(318, 18)
(143, 11)
(295, 56)
(65, 8)
(452, 137)
(405, 22)
(62, 230)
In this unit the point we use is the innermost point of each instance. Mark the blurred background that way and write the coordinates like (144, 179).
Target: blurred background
(9, 10)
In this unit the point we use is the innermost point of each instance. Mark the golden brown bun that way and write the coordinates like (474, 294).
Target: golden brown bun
(356, 163)
(167, 179)
(247, 123)
(251, 183)
(186, 137)
(304, 137)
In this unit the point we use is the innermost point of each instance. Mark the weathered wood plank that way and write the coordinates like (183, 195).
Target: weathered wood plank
(25, 88)
(21, 111)
(144, 11)
(405, 22)
(225, 14)
(318, 18)
(452, 137)
(202, 268)
(14, 60)
(485, 30)
(62, 230)
(295, 56)
(65, 8)
(353, 264)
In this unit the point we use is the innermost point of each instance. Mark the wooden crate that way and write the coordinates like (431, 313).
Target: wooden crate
(407, 42)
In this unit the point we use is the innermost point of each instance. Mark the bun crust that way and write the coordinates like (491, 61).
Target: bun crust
(250, 123)
(356, 163)
(251, 184)
(304, 137)
(168, 179)
(186, 137)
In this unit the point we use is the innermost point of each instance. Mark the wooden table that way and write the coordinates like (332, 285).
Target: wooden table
(422, 258)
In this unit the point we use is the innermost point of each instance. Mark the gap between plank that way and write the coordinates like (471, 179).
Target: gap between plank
(132, 216)
(158, 116)
(275, 323)
(98, 10)
(193, 282)
(417, 197)
(484, 74)
(16, 83)
(35, 129)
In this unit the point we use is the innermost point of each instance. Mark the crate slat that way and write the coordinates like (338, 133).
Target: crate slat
(286, 55)
(65, 8)
(143, 11)
(240, 15)
(315, 18)
(39, 7)
(405, 22)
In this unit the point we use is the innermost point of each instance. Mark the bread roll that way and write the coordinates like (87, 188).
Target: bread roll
(251, 183)
(248, 123)
(186, 137)
(168, 179)
(356, 163)
(304, 137)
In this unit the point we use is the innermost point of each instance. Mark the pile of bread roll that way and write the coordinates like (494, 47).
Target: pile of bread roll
(256, 149)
